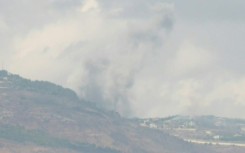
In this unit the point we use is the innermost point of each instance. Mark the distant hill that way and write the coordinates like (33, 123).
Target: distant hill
(39, 116)
(201, 129)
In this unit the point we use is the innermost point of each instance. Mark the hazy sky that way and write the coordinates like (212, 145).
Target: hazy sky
(143, 58)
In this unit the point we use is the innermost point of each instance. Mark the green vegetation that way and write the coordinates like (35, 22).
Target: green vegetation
(46, 87)
(240, 138)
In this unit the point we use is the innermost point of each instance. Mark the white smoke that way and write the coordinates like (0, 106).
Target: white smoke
(136, 57)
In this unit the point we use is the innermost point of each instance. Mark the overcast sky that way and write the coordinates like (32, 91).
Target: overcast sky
(145, 58)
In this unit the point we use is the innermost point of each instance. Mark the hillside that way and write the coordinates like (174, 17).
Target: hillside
(221, 133)
(38, 116)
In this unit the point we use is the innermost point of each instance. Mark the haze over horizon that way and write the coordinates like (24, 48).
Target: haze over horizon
(144, 58)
